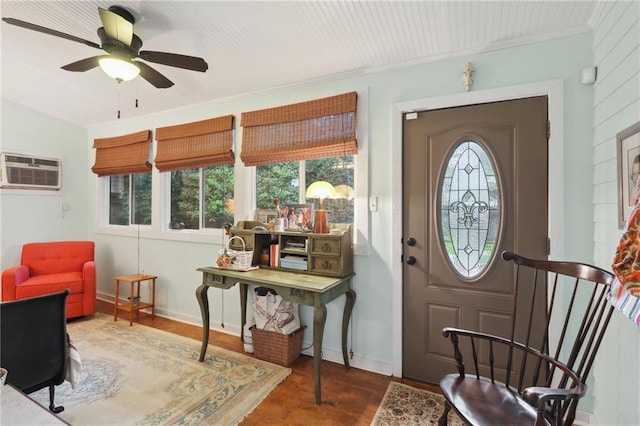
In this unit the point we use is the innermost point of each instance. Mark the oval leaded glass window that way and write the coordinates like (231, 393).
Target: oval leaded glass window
(469, 209)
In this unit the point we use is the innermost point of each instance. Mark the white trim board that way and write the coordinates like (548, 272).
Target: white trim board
(555, 92)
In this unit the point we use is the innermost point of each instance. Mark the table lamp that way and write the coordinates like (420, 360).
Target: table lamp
(320, 189)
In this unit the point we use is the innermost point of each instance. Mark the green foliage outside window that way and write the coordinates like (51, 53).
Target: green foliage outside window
(185, 199)
(277, 181)
(336, 171)
(218, 205)
(142, 199)
(282, 180)
(121, 196)
(119, 200)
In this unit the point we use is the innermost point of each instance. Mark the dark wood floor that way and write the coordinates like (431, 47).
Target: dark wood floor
(349, 396)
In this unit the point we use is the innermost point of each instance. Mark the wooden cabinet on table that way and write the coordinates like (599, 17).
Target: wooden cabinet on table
(318, 254)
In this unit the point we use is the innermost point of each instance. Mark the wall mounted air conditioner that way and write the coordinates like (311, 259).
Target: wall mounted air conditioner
(28, 172)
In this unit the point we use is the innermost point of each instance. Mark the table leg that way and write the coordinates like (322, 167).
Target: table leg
(131, 299)
(319, 319)
(203, 301)
(115, 302)
(243, 308)
(153, 299)
(346, 316)
(137, 299)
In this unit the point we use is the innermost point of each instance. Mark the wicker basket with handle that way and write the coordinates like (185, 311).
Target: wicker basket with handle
(234, 259)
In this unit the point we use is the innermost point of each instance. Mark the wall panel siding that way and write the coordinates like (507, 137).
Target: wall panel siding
(624, 95)
(616, 41)
(609, 18)
(605, 131)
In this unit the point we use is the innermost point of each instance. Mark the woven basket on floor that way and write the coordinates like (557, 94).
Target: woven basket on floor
(275, 347)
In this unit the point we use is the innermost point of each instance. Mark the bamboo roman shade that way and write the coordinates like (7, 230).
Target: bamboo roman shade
(193, 145)
(307, 130)
(122, 155)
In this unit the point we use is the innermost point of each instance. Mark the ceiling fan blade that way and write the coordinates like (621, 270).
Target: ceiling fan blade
(116, 27)
(174, 60)
(84, 64)
(153, 76)
(49, 31)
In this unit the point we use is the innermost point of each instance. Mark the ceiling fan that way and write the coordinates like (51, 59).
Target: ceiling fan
(123, 46)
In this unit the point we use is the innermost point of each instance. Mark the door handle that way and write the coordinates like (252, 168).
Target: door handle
(411, 260)
(411, 241)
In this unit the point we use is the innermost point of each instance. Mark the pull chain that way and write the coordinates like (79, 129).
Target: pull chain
(138, 243)
(118, 101)
(224, 236)
(222, 309)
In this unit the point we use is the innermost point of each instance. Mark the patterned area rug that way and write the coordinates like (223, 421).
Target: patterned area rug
(142, 376)
(404, 405)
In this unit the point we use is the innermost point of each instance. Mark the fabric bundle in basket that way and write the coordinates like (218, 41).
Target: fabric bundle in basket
(234, 259)
(273, 313)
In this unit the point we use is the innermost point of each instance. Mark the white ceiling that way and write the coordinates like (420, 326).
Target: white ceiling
(252, 46)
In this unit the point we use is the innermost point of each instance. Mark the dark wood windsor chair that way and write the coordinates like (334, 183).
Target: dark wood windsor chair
(535, 377)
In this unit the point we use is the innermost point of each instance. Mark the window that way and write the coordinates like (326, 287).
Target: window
(124, 162)
(130, 199)
(200, 159)
(469, 209)
(283, 181)
(202, 198)
(317, 137)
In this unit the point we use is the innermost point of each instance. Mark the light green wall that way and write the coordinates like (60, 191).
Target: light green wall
(27, 216)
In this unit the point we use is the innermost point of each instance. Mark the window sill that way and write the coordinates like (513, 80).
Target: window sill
(185, 235)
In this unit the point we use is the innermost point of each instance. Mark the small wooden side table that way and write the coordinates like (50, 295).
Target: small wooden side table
(135, 304)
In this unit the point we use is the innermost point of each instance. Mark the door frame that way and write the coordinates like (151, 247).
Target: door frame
(554, 90)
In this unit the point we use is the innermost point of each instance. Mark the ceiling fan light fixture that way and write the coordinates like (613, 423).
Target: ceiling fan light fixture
(119, 69)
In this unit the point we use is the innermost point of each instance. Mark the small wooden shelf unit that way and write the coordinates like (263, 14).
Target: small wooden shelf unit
(134, 296)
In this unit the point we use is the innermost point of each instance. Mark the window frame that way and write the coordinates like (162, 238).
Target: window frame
(103, 226)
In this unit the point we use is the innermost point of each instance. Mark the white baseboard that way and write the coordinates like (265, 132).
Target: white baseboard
(386, 369)
(584, 419)
(186, 319)
(331, 355)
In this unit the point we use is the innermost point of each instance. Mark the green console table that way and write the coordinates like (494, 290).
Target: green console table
(304, 289)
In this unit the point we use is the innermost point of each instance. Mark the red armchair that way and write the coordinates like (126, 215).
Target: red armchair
(52, 267)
